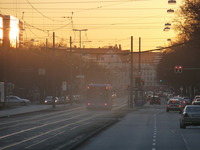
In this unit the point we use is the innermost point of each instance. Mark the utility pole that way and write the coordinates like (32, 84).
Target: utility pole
(80, 30)
(81, 76)
(131, 76)
(53, 73)
(70, 82)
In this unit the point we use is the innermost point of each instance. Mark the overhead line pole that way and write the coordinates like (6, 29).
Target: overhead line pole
(131, 76)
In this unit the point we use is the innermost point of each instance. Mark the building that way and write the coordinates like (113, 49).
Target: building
(11, 31)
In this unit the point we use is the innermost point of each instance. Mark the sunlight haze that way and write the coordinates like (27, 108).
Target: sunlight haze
(108, 22)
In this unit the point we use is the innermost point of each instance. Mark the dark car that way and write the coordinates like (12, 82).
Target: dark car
(154, 100)
(49, 100)
(190, 116)
(63, 100)
(182, 100)
(187, 100)
(174, 105)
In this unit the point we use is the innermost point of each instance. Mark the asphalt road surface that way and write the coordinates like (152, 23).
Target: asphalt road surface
(55, 129)
(149, 128)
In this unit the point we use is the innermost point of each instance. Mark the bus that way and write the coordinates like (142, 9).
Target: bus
(99, 96)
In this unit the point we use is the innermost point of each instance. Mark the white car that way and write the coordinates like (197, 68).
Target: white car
(15, 100)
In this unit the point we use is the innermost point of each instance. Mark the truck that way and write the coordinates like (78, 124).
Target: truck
(2, 94)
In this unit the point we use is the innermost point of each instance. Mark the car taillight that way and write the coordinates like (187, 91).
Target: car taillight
(180, 105)
(89, 104)
(105, 104)
(167, 105)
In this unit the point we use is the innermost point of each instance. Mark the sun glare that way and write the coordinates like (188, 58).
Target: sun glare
(14, 31)
(1, 29)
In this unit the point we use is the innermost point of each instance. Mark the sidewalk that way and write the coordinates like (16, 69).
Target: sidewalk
(23, 109)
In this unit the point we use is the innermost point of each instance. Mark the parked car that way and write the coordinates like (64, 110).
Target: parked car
(174, 105)
(190, 116)
(196, 101)
(154, 100)
(15, 100)
(49, 100)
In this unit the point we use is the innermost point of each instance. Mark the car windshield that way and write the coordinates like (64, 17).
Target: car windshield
(193, 109)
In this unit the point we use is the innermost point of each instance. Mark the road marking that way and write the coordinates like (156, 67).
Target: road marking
(186, 144)
(47, 132)
(154, 133)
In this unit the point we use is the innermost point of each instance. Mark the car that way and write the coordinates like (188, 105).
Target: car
(15, 100)
(63, 100)
(49, 100)
(154, 100)
(196, 101)
(76, 99)
(174, 105)
(182, 100)
(187, 100)
(190, 116)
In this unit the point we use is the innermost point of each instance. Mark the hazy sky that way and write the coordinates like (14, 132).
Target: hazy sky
(109, 22)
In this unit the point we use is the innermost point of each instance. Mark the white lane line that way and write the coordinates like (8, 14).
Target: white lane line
(186, 144)
(47, 132)
(154, 133)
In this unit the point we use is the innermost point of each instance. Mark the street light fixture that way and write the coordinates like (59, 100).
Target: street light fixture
(170, 11)
(166, 29)
(168, 24)
(172, 2)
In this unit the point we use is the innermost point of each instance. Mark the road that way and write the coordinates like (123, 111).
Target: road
(149, 128)
(53, 129)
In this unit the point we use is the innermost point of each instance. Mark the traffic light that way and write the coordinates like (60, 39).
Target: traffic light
(178, 69)
(142, 82)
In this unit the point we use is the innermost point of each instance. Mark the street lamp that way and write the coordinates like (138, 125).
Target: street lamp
(172, 2)
(170, 11)
(166, 29)
(168, 24)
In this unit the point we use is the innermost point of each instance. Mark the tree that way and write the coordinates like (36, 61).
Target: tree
(187, 25)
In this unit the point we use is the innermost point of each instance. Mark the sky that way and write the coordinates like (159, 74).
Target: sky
(107, 22)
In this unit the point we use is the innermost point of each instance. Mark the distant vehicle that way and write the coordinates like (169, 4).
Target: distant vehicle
(196, 101)
(187, 99)
(174, 105)
(196, 96)
(148, 98)
(183, 101)
(76, 98)
(190, 116)
(49, 100)
(99, 96)
(63, 100)
(154, 100)
(15, 100)
(114, 95)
